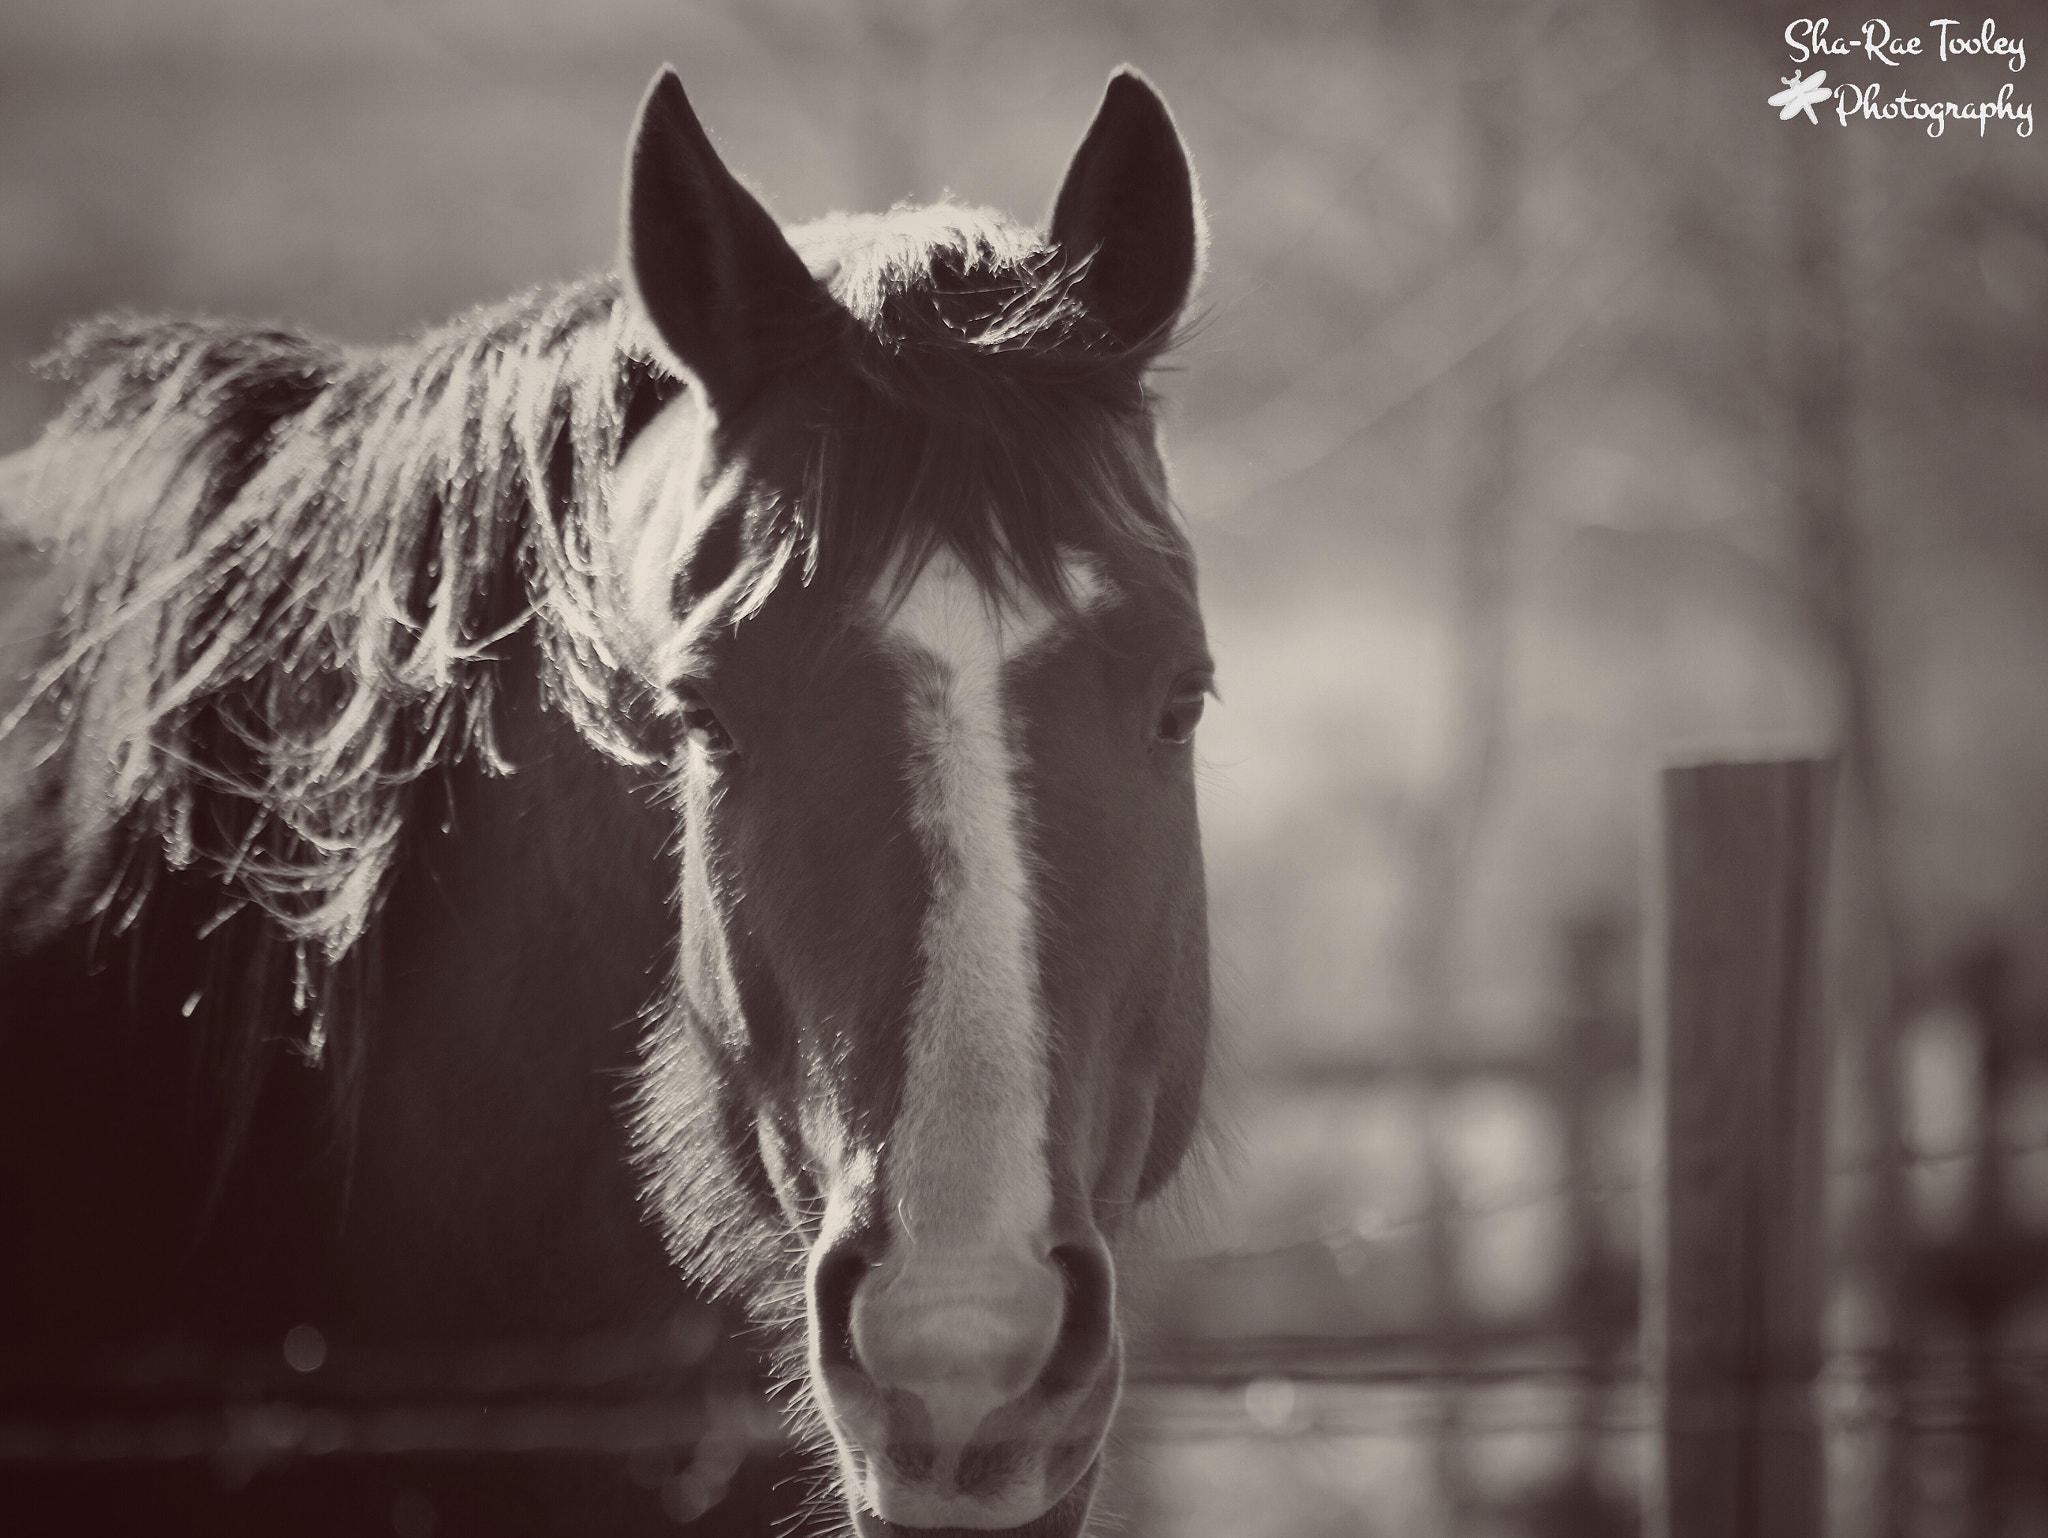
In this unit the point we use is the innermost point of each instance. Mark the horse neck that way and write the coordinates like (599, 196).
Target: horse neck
(527, 928)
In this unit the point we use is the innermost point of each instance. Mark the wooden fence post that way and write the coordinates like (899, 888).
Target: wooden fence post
(1735, 1069)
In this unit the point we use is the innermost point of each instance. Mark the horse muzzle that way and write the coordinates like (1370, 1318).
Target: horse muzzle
(1065, 1520)
(967, 1391)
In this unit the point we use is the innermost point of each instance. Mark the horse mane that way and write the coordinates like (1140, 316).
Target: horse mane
(300, 565)
(299, 620)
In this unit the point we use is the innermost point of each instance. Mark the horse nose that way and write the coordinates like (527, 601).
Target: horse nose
(960, 1380)
(963, 1334)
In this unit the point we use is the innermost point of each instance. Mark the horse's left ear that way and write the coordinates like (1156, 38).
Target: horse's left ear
(1128, 207)
(731, 302)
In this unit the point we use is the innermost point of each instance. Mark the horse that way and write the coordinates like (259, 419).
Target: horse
(784, 649)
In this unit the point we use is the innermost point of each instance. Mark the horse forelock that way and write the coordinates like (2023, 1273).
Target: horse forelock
(974, 406)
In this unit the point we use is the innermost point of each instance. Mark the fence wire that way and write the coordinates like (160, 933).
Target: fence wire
(1258, 1387)
(1342, 1233)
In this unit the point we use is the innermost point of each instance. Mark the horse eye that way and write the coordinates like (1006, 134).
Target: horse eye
(700, 722)
(1182, 715)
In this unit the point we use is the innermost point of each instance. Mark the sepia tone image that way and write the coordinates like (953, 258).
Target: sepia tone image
(1189, 770)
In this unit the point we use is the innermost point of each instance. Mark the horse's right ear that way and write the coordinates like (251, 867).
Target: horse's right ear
(727, 297)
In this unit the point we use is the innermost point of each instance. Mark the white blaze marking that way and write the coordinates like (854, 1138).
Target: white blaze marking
(966, 1161)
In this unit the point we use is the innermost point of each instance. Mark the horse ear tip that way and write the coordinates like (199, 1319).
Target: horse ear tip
(664, 94)
(1131, 86)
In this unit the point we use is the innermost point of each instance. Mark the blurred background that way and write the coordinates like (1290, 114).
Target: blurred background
(1555, 411)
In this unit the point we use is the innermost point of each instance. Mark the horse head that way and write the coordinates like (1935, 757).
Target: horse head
(900, 559)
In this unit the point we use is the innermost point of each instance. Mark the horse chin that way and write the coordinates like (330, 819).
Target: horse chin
(1066, 1518)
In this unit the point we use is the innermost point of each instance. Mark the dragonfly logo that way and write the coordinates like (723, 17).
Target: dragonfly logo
(1801, 95)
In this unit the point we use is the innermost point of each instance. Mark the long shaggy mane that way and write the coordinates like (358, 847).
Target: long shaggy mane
(298, 564)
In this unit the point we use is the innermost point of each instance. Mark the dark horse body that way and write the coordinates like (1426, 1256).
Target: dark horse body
(368, 705)
(182, 1183)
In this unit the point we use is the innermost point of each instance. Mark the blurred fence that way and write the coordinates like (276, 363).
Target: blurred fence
(1543, 1423)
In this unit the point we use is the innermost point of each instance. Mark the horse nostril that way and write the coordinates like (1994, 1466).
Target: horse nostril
(1087, 1321)
(833, 1285)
